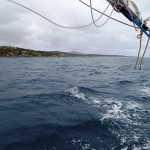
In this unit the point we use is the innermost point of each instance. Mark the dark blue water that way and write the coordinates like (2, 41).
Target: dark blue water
(91, 103)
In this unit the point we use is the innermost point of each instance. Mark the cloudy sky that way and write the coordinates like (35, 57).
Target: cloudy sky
(21, 28)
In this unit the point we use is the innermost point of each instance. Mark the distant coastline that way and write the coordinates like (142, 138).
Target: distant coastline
(9, 51)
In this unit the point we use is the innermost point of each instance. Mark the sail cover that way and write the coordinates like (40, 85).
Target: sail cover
(133, 8)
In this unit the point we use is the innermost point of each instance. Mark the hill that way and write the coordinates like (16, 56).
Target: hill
(9, 51)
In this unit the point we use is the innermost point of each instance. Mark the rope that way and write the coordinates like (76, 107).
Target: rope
(56, 24)
(107, 15)
(107, 19)
(61, 26)
(91, 8)
(148, 19)
(140, 37)
(144, 53)
(94, 21)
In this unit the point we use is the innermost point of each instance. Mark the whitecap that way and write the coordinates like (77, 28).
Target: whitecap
(126, 148)
(75, 92)
(127, 113)
(131, 105)
(84, 146)
(137, 148)
(114, 109)
(145, 91)
(95, 101)
(124, 111)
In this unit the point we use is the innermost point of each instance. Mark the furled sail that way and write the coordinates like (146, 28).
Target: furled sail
(133, 8)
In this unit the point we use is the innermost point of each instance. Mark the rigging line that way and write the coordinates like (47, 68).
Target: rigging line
(94, 22)
(145, 22)
(140, 37)
(91, 8)
(56, 24)
(61, 25)
(107, 19)
(144, 52)
(100, 16)
(148, 19)
(107, 15)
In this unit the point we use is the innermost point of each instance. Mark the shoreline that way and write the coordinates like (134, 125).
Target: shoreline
(15, 52)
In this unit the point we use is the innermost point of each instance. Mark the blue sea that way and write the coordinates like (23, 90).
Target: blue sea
(76, 103)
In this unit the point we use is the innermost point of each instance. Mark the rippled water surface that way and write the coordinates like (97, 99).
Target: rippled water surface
(85, 103)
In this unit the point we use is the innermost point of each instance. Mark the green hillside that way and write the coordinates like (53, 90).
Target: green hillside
(8, 51)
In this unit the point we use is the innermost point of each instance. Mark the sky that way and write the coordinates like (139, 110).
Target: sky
(22, 28)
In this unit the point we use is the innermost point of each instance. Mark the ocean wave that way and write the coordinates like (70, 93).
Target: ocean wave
(75, 92)
(90, 135)
(128, 116)
(125, 82)
(106, 108)
(145, 91)
(123, 118)
(84, 94)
